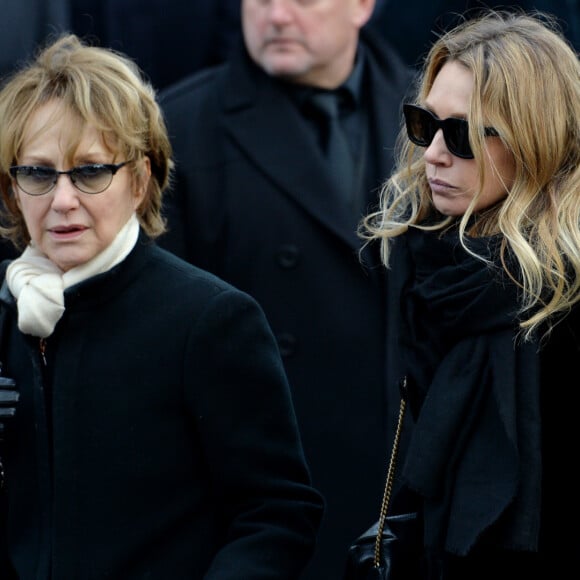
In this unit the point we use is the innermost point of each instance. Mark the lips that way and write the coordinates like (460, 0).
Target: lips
(282, 42)
(67, 229)
(441, 187)
(440, 183)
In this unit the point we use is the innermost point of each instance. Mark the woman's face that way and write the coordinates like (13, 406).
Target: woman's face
(454, 181)
(71, 227)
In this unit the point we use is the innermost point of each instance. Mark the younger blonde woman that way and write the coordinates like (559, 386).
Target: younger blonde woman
(483, 215)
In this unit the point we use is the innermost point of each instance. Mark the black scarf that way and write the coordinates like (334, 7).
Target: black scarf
(474, 454)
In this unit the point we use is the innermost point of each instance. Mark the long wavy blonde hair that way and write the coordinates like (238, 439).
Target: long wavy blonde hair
(527, 83)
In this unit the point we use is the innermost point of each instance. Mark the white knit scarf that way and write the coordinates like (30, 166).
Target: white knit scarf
(38, 284)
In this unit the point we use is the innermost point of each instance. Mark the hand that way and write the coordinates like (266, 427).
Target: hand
(8, 398)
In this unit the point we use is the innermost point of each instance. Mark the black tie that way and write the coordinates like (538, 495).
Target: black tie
(335, 143)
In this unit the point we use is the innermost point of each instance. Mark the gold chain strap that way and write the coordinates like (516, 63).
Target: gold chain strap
(389, 482)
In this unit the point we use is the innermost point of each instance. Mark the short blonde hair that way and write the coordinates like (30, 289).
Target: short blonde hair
(103, 88)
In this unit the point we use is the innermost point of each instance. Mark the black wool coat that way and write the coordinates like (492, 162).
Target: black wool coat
(158, 440)
(253, 202)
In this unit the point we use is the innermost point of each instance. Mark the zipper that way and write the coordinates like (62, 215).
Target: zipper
(43, 350)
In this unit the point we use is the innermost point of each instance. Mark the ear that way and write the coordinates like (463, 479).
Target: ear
(364, 10)
(142, 180)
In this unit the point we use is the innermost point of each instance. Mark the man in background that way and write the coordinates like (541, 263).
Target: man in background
(279, 152)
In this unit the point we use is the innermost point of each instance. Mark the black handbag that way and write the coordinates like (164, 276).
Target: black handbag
(391, 549)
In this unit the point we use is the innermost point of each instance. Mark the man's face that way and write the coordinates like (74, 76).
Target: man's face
(310, 42)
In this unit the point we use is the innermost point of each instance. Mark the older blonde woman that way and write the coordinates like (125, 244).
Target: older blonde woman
(155, 435)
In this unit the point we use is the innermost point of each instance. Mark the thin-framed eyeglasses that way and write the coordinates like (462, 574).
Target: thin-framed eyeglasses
(39, 180)
(422, 125)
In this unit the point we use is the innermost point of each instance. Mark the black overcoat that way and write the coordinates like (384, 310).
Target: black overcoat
(158, 440)
(253, 202)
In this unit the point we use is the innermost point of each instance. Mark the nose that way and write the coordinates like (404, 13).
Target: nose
(436, 152)
(280, 10)
(65, 196)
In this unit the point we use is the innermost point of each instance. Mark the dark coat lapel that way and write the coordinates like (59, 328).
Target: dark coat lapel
(255, 107)
(295, 164)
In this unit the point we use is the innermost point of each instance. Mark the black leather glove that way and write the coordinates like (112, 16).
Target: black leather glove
(8, 399)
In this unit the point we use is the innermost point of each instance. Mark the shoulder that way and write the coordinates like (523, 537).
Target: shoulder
(3, 265)
(383, 57)
(561, 349)
(565, 334)
(164, 263)
(174, 276)
(195, 101)
(194, 86)
(187, 296)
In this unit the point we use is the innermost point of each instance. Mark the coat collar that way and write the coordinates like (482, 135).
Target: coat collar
(295, 164)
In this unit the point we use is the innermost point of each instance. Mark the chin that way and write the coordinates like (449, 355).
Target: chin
(66, 263)
(450, 211)
(450, 206)
(284, 66)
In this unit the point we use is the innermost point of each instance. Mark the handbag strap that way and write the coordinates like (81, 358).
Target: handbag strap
(390, 476)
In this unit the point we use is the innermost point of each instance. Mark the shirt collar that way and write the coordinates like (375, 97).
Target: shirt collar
(351, 88)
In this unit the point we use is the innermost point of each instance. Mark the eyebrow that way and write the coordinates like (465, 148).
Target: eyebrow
(461, 116)
(37, 161)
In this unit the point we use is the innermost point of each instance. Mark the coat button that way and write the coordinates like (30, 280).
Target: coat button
(288, 256)
(286, 344)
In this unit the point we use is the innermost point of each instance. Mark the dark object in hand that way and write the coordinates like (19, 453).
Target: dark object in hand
(400, 551)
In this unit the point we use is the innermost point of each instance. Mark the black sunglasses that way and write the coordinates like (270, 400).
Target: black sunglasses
(422, 126)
